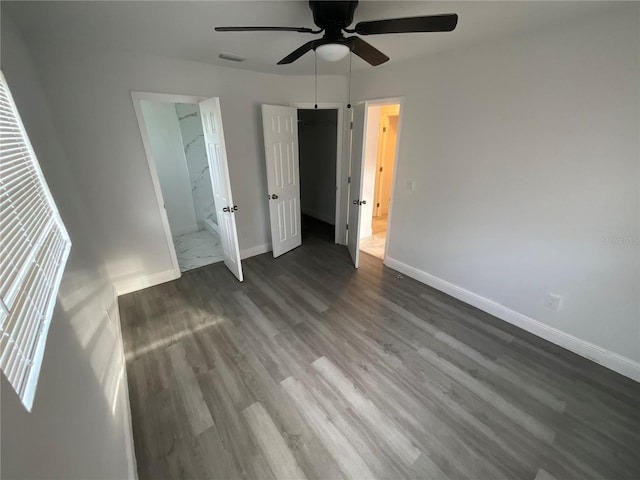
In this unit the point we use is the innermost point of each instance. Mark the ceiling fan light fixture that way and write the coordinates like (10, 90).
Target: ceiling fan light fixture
(332, 52)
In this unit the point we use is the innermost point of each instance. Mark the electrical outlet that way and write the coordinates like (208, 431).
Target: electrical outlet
(553, 301)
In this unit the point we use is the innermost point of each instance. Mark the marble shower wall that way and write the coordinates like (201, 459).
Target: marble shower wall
(197, 164)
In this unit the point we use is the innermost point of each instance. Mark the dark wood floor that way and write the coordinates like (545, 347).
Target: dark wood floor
(311, 369)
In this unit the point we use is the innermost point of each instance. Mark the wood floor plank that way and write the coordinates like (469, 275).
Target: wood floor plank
(238, 445)
(469, 319)
(544, 475)
(197, 411)
(305, 293)
(379, 422)
(425, 469)
(275, 450)
(280, 301)
(311, 368)
(537, 393)
(523, 419)
(345, 454)
(255, 314)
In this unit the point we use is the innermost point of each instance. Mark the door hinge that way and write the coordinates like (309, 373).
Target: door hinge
(351, 126)
(347, 226)
(380, 168)
(384, 129)
(348, 179)
(377, 204)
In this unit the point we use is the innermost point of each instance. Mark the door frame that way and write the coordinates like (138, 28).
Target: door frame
(339, 221)
(400, 100)
(382, 146)
(137, 97)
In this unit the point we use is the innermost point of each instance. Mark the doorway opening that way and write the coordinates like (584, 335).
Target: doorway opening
(303, 146)
(317, 142)
(379, 162)
(375, 134)
(177, 146)
(184, 143)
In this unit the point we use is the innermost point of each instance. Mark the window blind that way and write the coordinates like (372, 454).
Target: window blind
(34, 246)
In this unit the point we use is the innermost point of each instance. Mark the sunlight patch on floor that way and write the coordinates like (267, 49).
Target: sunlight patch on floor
(166, 341)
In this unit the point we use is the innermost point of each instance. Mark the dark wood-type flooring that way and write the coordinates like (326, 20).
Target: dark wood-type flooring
(311, 369)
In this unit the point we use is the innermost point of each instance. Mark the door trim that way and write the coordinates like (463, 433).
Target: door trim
(137, 97)
(394, 178)
(340, 222)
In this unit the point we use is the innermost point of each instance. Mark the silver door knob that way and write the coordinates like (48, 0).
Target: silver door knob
(356, 202)
(226, 209)
(274, 196)
(363, 202)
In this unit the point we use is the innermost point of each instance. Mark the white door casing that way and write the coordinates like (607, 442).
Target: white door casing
(219, 170)
(280, 125)
(357, 172)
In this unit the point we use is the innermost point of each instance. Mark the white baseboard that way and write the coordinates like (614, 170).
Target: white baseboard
(611, 360)
(253, 251)
(127, 423)
(128, 286)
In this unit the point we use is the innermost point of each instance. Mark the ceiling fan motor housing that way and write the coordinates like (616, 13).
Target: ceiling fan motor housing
(332, 17)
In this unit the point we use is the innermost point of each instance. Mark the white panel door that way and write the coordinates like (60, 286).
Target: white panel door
(219, 169)
(280, 125)
(355, 191)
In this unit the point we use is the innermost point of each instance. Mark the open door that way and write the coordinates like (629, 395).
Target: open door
(280, 125)
(225, 209)
(355, 190)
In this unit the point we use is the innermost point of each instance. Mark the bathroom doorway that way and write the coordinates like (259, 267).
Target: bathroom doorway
(172, 130)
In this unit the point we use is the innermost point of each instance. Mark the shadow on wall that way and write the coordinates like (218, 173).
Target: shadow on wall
(100, 340)
(79, 425)
(81, 389)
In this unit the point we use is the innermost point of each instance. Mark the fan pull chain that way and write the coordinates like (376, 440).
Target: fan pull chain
(349, 87)
(315, 57)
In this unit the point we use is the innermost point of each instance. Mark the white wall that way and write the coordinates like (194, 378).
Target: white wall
(167, 149)
(525, 158)
(89, 93)
(79, 426)
(317, 134)
(369, 161)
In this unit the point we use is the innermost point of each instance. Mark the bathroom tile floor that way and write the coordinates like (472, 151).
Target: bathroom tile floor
(374, 245)
(197, 249)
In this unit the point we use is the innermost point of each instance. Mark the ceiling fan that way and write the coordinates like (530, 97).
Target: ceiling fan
(334, 17)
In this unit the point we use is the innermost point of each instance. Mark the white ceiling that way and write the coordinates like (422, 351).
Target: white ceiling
(184, 29)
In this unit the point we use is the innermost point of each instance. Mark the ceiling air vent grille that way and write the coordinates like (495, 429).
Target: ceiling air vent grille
(232, 57)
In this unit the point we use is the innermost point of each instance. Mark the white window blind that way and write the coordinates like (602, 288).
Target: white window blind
(34, 246)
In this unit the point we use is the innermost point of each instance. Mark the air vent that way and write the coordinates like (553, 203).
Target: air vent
(232, 57)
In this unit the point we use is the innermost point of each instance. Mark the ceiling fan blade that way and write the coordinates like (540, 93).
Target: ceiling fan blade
(296, 54)
(367, 52)
(266, 29)
(430, 23)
